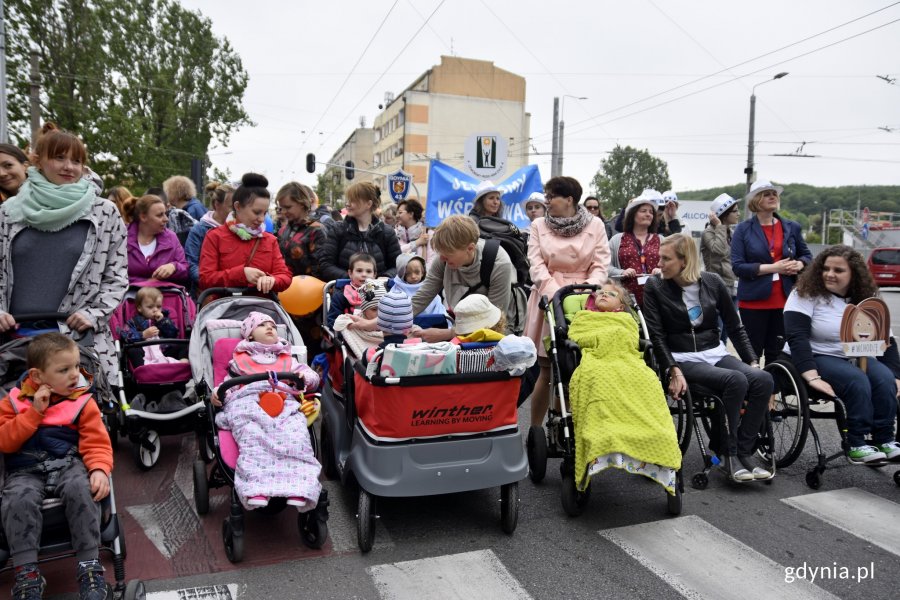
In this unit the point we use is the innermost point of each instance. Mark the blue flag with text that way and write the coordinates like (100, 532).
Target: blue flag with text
(452, 192)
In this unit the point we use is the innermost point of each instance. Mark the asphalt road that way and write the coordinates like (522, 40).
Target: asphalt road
(730, 542)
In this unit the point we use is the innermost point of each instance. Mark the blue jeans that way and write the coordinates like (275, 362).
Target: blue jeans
(733, 381)
(870, 397)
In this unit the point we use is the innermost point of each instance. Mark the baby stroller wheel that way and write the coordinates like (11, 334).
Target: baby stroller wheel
(365, 521)
(509, 507)
(201, 487)
(574, 501)
(313, 529)
(536, 446)
(135, 590)
(674, 502)
(326, 450)
(206, 451)
(234, 544)
(146, 450)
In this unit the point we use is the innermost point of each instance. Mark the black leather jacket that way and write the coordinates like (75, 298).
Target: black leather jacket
(671, 329)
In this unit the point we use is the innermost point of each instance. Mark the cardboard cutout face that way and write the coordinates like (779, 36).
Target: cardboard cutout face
(865, 328)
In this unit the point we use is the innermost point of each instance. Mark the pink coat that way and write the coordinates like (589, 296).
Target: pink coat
(558, 261)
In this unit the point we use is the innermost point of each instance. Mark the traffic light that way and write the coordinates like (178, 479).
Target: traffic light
(349, 171)
(310, 163)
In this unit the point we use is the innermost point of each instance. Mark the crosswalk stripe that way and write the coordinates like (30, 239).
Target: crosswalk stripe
(867, 516)
(342, 522)
(209, 592)
(701, 561)
(478, 574)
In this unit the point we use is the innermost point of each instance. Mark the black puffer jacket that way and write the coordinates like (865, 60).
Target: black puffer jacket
(344, 239)
(671, 329)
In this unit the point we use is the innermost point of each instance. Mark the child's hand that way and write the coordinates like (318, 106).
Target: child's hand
(150, 332)
(99, 485)
(215, 399)
(42, 399)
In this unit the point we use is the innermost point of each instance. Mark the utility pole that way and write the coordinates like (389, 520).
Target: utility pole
(4, 118)
(35, 97)
(554, 159)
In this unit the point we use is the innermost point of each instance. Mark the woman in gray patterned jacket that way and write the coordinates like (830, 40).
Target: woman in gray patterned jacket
(62, 248)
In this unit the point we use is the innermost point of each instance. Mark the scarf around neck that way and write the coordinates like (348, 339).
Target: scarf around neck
(46, 206)
(569, 226)
(264, 354)
(242, 231)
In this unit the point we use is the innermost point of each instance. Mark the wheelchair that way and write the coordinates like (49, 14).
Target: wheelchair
(797, 405)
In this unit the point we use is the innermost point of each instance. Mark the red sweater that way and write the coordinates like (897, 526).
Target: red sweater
(224, 256)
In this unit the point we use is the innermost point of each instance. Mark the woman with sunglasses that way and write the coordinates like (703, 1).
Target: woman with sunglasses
(767, 253)
(592, 205)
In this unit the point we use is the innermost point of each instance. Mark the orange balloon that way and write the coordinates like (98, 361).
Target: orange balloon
(303, 297)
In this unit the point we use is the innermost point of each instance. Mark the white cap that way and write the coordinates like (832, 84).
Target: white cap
(536, 197)
(653, 196)
(670, 196)
(634, 204)
(475, 312)
(721, 204)
(486, 187)
(761, 186)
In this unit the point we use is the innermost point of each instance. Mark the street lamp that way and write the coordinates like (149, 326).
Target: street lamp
(562, 128)
(749, 169)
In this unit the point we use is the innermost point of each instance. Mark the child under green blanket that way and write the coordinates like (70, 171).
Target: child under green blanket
(618, 406)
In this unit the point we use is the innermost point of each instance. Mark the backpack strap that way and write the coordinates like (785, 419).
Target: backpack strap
(488, 258)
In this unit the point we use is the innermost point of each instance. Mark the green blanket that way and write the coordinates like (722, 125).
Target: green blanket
(617, 402)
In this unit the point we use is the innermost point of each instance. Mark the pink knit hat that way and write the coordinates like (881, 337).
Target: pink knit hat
(254, 320)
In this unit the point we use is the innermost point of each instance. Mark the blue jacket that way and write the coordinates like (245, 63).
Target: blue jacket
(192, 248)
(195, 208)
(750, 249)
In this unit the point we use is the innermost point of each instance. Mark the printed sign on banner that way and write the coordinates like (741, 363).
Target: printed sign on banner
(399, 183)
(485, 155)
(452, 192)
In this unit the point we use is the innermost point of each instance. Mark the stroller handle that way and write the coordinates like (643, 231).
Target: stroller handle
(234, 291)
(43, 316)
(247, 379)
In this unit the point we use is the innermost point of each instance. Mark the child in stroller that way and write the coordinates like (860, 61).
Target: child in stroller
(54, 439)
(268, 421)
(152, 321)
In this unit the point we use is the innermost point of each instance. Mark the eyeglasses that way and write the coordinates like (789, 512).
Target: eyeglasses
(549, 197)
(608, 293)
(592, 207)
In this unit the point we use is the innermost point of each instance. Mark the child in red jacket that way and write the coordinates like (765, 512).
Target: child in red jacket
(52, 436)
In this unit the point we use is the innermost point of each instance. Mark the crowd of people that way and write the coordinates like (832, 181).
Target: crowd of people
(66, 249)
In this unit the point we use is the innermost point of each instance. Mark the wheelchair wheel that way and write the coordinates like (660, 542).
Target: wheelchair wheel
(234, 544)
(509, 507)
(897, 477)
(365, 521)
(146, 450)
(574, 501)
(326, 450)
(790, 417)
(201, 487)
(313, 529)
(536, 447)
(135, 590)
(682, 413)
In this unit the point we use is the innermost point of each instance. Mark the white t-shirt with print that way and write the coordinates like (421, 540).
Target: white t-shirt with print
(825, 313)
(690, 295)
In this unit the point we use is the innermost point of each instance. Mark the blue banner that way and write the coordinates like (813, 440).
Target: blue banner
(452, 192)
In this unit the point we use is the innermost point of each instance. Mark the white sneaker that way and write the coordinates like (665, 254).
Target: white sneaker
(891, 450)
(861, 455)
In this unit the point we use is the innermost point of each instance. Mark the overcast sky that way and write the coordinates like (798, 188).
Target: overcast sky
(627, 57)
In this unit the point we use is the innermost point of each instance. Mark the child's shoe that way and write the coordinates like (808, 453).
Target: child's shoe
(891, 450)
(258, 501)
(860, 455)
(91, 584)
(29, 583)
(296, 501)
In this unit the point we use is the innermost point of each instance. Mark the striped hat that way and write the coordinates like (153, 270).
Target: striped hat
(395, 314)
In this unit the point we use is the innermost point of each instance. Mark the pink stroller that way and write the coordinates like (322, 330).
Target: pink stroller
(154, 399)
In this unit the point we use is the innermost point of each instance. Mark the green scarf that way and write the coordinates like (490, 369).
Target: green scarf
(49, 207)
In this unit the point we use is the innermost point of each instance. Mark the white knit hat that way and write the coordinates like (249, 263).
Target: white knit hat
(395, 313)
(475, 312)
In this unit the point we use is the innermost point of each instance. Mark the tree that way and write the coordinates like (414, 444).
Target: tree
(626, 173)
(145, 83)
(329, 186)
